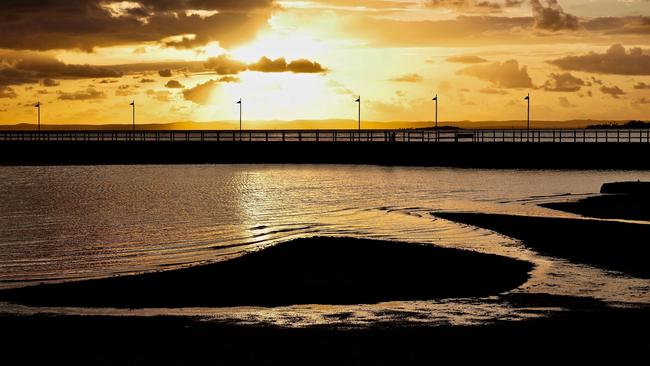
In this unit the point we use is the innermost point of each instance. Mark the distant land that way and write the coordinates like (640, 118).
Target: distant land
(330, 124)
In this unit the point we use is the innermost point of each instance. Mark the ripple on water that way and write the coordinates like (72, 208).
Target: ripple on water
(62, 223)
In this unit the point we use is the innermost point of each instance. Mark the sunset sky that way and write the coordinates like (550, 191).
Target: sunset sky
(190, 60)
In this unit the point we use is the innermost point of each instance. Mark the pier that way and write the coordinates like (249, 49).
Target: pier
(396, 135)
(510, 149)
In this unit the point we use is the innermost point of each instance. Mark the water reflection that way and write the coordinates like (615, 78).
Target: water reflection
(80, 222)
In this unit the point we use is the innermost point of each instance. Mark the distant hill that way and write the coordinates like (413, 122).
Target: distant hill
(627, 125)
(324, 125)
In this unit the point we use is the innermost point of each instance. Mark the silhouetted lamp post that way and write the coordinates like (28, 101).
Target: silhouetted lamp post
(359, 116)
(435, 99)
(240, 104)
(38, 108)
(133, 114)
(528, 118)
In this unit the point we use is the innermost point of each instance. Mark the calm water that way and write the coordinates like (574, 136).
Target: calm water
(61, 223)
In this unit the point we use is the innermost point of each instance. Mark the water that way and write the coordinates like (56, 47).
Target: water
(63, 223)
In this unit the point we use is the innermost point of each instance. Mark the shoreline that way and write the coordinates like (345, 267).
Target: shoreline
(607, 206)
(318, 270)
(610, 245)
(569, 337)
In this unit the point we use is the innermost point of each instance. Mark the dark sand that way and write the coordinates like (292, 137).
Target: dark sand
(320, 270)
(611, 245)
(615, 206)
(588, 333)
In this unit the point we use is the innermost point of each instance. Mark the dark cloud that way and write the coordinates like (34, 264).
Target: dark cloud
(304, 66)
(166, 73)
(228, 79)
(88, 94)
(408, 78)
(504, 75)
(85, 24)
(641, 86)
(265, 64)
(224, 65)
(552, 17)
(615, 61)
(147, 80)
(301, 66)
(565, 103)
(641, 102)
(564, 82)
(614, 91)
(50, 82)
(108, 81)
(202, 93)
(466, 59)
(174, 84)
(17, 68)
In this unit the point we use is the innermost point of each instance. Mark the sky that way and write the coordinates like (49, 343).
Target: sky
(191, 60)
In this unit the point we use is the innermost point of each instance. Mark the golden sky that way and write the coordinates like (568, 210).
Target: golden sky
(191, 60)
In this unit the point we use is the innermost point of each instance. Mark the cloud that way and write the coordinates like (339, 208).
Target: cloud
(641, 86)
(304, 66)
(224, 65)
(614, 91)
(201, 93)
(48, 25)
(641, 102)
(166, 73)
(565, 103)
(145, 80)
(174, 84)
(493, 91)
(265, 64)
(475, 6)
(616, 60)
(50, 82)
(466, 59)
(563, 83)
(7, 92)
(408, 78)
(88, 94)
(228, 79)
(504, 75)
(596, 81)
(161, 96)
(552, 17)
(18, 68)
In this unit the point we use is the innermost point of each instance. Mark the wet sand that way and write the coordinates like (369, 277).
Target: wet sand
(610, 245)
(589, 332)
(611, 206)
(320, 270)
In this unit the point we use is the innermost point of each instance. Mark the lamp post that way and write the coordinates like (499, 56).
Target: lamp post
(359, 116)
(38, 108)
(527, 98)
(435, 99)
(240, 106)
(133, 115)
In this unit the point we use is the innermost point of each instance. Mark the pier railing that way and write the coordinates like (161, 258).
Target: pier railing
(404, 135)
